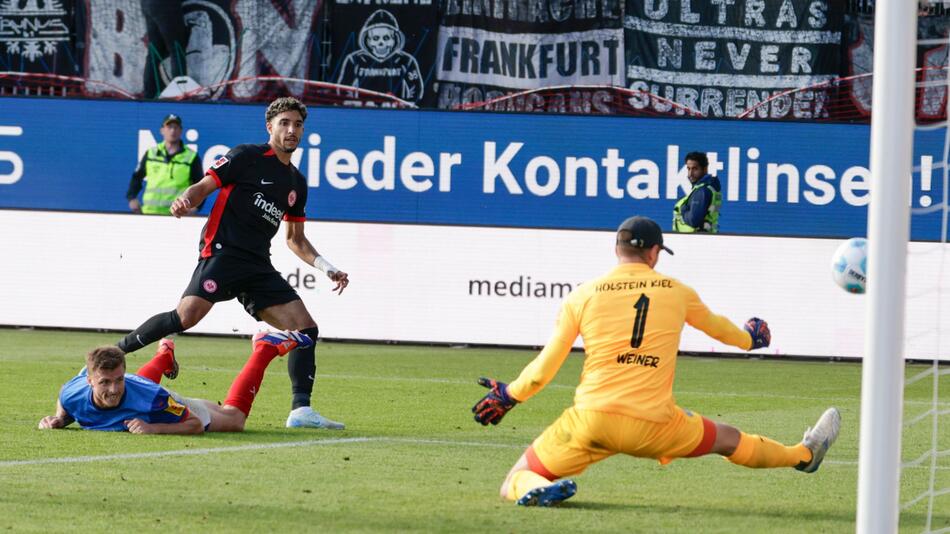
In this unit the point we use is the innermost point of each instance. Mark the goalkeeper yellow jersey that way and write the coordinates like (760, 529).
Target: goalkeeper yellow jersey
(631, 320)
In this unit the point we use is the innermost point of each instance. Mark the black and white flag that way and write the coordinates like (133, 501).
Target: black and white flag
(385, 46)
(490, 48)
(723, 57)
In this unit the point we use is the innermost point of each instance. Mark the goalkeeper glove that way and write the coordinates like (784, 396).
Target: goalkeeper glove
(759, 330)
(495, 404)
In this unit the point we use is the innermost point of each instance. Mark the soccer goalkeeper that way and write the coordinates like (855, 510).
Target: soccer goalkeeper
(631, 320)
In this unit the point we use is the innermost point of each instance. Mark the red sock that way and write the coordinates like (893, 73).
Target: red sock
(248, 381)
(153, 370)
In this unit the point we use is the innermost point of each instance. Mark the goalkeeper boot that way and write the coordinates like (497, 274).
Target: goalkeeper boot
(283, 341)
(549, 495)
(168, 345)
(819, 438)
(305, 417)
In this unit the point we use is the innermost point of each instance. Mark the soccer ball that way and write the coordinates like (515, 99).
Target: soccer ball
(849, 265)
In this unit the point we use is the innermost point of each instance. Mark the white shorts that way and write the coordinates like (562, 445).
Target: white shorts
(195, 406)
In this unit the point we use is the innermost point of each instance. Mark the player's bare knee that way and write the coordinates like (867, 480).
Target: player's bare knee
(503, 490)
(727, 439)
(302, 321)
(191, 311)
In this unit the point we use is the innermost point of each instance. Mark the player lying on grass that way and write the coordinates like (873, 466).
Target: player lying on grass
(631, 320)
(104, 397)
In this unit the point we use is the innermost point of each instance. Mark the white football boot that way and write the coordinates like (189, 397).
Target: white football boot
(819, 438)
(305, 417)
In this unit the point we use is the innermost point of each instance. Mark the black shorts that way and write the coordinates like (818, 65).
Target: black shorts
(256, 285)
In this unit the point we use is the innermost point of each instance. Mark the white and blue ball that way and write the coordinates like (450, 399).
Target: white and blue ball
(849, 265)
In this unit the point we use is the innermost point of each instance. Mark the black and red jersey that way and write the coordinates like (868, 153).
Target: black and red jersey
(257, 191)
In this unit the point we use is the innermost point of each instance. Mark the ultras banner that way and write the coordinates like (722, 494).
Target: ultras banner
(931, 60)
(140, 45)
(722, 58)
(38, 36)
(385, 46)
(489, 48)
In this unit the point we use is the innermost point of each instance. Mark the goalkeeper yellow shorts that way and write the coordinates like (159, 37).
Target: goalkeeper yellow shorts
(579, 438)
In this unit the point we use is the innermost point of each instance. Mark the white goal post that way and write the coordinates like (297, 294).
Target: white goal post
(882, 382)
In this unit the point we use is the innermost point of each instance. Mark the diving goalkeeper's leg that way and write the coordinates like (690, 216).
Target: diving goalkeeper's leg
(760, 452)
(529, 483)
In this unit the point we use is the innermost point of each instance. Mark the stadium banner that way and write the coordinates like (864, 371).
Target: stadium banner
(932, 50)
(140, 46)
(458, 285)
(721, 58)
(38, 36)
(490, 49)
(384, 46)
(480, 169)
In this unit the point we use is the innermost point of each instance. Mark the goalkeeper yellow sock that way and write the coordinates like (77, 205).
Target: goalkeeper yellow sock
(757, 452)
(524, 481)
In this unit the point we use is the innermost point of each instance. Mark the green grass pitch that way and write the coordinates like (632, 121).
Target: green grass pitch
(412, 458)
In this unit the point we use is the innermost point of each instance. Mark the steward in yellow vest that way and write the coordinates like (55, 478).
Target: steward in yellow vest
(168, 168)
(698, 211)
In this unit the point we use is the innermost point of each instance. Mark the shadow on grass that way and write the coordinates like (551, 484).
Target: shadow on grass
(843, 516)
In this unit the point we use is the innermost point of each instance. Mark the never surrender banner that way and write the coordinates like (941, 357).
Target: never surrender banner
(722, 58)
(385, 46)
(490, 48)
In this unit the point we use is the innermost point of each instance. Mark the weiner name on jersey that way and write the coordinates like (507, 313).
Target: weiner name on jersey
(633, 358)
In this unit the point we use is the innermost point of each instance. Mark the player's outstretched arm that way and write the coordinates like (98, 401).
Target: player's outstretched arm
(544, 367)
(758, 329)
(60, 420)
(191, 425)
(721, 328)
(495, 404)
(298, 243)
(503, 397)
(192, 197)
(54, 421)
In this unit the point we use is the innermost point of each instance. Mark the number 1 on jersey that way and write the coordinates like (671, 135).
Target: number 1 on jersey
(640, 321)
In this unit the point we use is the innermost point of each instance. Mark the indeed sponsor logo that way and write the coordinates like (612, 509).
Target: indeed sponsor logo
(271, 212)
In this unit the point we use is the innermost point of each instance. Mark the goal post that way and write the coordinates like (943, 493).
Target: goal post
(882, 381)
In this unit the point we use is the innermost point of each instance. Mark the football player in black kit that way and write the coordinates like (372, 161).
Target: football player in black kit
(259, 187)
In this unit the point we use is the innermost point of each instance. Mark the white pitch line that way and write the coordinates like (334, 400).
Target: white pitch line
(251, 447)
(184, 452)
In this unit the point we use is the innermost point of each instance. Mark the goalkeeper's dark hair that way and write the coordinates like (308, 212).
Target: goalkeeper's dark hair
(107, 358)
(627, 249)
(698, 157)
(285, 103)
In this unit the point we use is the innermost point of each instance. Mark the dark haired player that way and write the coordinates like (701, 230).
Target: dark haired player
(259, 187)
